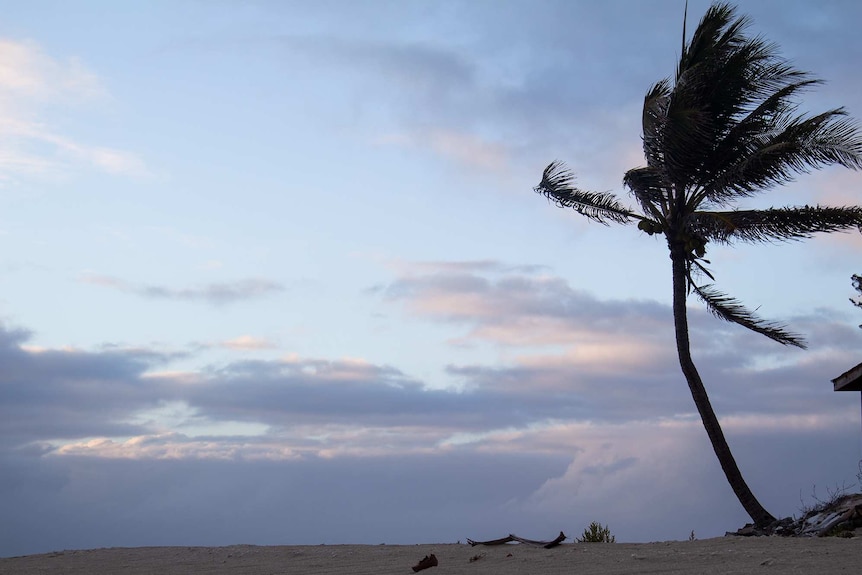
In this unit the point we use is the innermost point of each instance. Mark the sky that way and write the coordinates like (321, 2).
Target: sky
(274, 273)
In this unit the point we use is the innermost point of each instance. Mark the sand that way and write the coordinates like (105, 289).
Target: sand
(723, 555)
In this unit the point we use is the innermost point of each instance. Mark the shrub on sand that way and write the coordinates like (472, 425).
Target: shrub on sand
(596, 533)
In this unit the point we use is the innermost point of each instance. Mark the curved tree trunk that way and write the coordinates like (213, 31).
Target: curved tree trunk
(752, 506)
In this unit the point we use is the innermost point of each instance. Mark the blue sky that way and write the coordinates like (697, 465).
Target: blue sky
(274, 273)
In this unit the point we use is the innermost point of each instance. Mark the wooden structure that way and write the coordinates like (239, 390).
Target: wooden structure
(850, 380)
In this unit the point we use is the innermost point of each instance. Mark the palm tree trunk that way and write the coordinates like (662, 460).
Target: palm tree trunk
(759, 515)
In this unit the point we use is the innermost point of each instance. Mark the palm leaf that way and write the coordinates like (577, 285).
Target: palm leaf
(725, 178)
(714, 32)
(557, 185)
(725, 130)
(825, 139)
(654, 120)
(650, 189)
(773, 158)
(731, 310)
(774, 224)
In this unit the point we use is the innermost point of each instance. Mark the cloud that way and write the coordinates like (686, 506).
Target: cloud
(428, 72)
(465, 148)
(466, 102)
(176, 446)
(522, 307)
(247, 342)
(601, 362)
(67, 394)
(106, 159)
(108, 403)
(32, 83)
(214, 293)
(87, 503)
(430, 89)
(27, 71)
(592, 356)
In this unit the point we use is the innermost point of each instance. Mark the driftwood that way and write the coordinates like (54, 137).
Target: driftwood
(503, 540)
(844, 511)
(843, 515)
(851, 515)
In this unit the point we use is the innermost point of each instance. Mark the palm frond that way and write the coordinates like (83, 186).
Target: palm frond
(698, 268)
(729, 309)
(774, 224)
(825, 139)
(687, 132)
(557, 185)
(650, 190)
(774, 157)
(708, 37)
(726, 127)
(724, 177)
(654, 119)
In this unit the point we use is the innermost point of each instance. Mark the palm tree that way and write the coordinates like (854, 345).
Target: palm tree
(726, 129)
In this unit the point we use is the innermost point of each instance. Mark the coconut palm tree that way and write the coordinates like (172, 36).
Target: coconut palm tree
(724, 130)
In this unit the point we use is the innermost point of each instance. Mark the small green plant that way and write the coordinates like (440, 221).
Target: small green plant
(596, 533)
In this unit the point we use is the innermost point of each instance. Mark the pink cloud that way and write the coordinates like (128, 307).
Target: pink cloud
(522, 307)
(248, 342)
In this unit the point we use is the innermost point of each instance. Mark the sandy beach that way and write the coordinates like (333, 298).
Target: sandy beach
(725, 555)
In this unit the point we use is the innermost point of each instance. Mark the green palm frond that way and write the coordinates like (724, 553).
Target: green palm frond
(729, 309)
(774, 224)
(557, 185)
